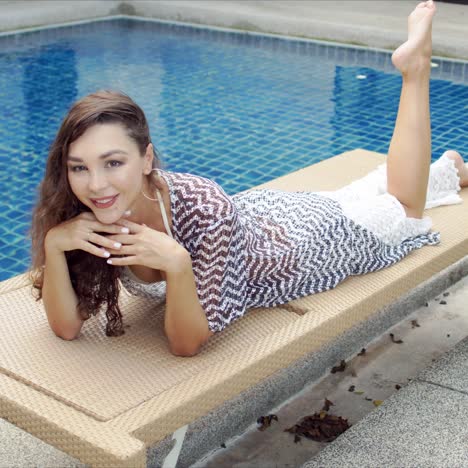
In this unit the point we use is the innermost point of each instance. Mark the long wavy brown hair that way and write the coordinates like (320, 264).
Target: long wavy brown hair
(95, 282)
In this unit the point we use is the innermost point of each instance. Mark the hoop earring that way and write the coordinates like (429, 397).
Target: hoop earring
(157, 190)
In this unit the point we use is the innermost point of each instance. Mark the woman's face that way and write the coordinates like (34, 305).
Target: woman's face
(106, 171)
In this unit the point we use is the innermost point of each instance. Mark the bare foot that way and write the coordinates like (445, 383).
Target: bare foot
(414, 55)
(460, 165)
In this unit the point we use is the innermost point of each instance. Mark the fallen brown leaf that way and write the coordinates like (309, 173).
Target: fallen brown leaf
(319, 427)
(392, 336)
(339, 368)
(327, 404)
(265, 421)
(414, 323)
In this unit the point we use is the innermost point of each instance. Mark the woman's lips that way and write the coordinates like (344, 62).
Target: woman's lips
(104, 202)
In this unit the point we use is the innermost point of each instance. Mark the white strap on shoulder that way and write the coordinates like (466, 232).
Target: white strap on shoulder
(163, 212)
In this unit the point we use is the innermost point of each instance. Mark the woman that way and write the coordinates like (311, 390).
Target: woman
(108, 212)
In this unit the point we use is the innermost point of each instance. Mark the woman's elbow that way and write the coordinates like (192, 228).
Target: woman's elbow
(188, 350)
(67, 334)
(184, 352)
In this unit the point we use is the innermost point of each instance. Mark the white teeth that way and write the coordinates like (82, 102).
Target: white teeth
(103, 202)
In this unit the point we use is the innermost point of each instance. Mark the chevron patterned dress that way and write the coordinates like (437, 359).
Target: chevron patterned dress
(266, 247)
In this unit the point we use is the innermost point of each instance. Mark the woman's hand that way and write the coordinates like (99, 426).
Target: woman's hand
(80, 232)
(150, 248)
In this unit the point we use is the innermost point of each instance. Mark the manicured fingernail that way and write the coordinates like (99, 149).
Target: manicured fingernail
(128, 212)
(109, 261)
(125, 230)
(117, 245)
(106, 254)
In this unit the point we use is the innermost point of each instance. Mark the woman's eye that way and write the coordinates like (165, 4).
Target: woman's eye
(81, 168)
(77, 168)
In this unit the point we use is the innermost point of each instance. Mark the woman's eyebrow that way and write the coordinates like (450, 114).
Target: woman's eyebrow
(102, 156)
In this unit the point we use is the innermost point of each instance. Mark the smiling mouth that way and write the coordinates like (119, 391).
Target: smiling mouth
(104, 202)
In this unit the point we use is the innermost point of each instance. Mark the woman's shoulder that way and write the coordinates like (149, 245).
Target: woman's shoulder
(187, 179)
(197, 195)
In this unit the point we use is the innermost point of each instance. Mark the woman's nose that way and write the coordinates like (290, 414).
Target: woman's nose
(97, 182)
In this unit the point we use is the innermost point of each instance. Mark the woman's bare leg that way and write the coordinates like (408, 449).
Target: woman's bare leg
(409, 154)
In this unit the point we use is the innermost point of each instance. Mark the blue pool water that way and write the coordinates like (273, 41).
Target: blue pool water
(239, 108)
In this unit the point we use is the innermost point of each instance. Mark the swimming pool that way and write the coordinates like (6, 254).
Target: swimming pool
(239, 108)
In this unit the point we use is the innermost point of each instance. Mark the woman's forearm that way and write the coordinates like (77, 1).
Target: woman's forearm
(185, 321)
(59, 297)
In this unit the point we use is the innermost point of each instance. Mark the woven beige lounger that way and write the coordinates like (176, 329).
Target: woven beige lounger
(105, 400)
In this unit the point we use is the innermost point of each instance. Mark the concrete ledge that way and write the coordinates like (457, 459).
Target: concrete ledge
(360, 22)
(17, 15)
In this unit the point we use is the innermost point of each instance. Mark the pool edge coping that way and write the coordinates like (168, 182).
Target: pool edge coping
(209, 27)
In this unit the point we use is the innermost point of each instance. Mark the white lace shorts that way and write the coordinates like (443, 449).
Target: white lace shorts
(367, 202)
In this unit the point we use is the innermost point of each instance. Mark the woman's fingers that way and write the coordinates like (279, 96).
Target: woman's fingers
(124, 250)
(103, 241)
(133, 227)
(122, 238)
(98, 251)
(109, 228)
(122, 261)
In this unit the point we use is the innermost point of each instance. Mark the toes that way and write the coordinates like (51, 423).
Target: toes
(429, 4)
